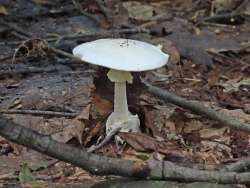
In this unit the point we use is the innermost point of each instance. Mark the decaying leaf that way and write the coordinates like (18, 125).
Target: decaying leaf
(92, 133)
(192, 126)
(84, 115)
(155, 119)
(234, 85)
(247, 9)
(237, 114)
(100, 106)
(220, 6)
(169, 48)
(213, 133)
(3, 10)
(214, 152)
(74, 129)
(131, 154)
(138, 11)
(195, 47)
(32, 48)
(143, 142)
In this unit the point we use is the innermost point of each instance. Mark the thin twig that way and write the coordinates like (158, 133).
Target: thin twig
(79, 7)
(16, 28)
(236, 12)
(218, 17)
(40, 112)
(107, 13)
(197, 108)
(29, 70)
(65, 54)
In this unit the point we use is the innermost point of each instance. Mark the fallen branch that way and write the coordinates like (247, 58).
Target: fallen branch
(40, 112)
(237, 12)
(101, 165)
(219, 17)
(29, 70)
(198, 108)
(239, 166)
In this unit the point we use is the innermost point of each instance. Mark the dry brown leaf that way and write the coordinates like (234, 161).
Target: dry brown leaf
(213, 77)
(138, 11)
(93, 133)
(234, 85)
(247, 9)
(214, 152)
(170, 126)
(3, 10)
(100, 106)
(238, 114)
(193, 125)
(211, 133)
(131, 154)
(169, 48)
(74, 130)
(143, 142)
(84, 115)
(219, 6)
(155, 119)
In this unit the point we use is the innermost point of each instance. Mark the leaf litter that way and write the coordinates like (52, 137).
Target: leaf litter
(207, 65)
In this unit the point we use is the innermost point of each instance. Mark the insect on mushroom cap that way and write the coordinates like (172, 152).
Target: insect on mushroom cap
(122, 54)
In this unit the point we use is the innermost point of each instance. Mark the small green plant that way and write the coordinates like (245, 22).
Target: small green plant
(25, 175)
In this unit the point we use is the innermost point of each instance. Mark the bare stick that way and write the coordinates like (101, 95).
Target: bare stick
(65, 54)
(102, 165)
(239, 166)
(79, 7)
(198, 108)
(40, 112)
(29, 70)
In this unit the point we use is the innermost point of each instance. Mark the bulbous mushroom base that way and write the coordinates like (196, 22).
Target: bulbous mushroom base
(129, 124)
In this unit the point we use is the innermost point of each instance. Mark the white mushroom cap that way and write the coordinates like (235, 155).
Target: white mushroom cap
(122, 54)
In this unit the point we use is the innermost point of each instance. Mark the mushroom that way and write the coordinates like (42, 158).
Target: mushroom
(122, 56)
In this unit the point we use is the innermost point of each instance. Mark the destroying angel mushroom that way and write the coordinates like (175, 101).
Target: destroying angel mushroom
(121, 56)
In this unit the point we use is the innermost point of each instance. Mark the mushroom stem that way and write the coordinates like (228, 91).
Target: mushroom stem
(120, 101)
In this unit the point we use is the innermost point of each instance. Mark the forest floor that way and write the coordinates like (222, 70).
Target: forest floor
(44, 88)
